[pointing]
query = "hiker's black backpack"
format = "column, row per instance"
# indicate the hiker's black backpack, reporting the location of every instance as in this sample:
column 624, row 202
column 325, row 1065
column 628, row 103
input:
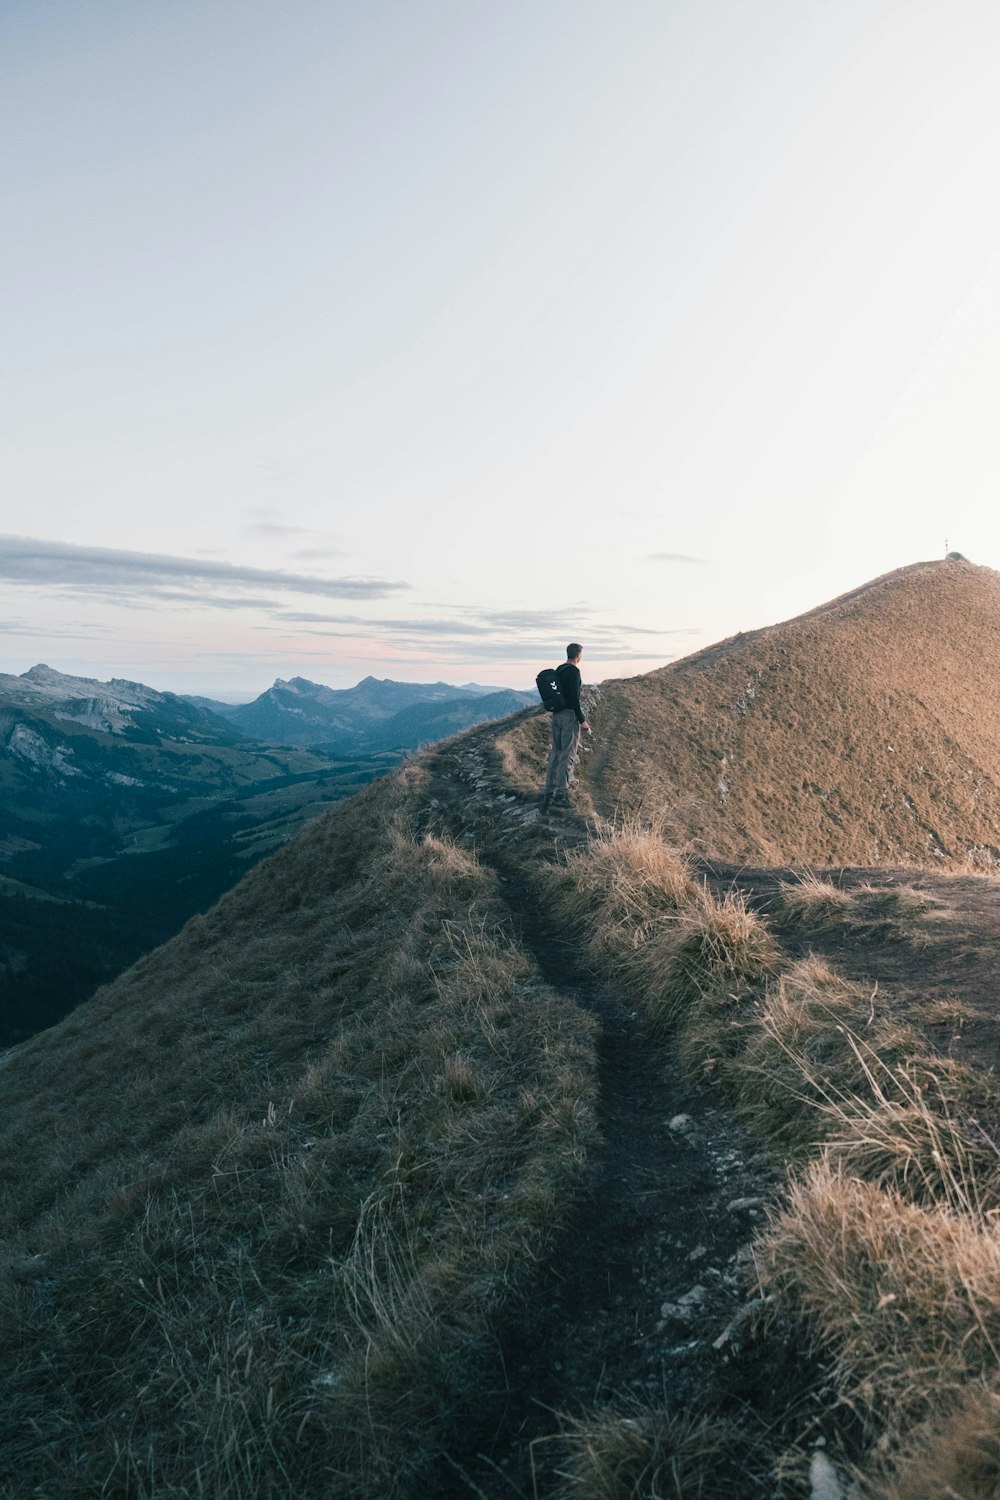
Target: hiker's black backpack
column 549, row 690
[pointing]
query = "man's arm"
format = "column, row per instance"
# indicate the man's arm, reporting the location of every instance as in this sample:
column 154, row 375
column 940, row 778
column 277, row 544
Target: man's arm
column 570, row 681
column 581, row 720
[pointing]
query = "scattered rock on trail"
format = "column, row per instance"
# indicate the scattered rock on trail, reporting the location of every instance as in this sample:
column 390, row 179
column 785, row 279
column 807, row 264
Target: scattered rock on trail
column 825, row 1482
column 742, row 1321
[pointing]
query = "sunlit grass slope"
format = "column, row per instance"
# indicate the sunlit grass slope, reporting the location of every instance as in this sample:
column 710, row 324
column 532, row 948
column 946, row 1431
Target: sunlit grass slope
column 883, row 1257
column 866, row 732
column 267, row 1195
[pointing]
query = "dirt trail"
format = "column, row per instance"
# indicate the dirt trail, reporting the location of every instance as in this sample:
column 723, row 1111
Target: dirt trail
column 656, row 1261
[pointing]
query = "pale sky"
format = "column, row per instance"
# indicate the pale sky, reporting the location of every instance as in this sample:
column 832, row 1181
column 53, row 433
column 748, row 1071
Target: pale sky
column 420, row 338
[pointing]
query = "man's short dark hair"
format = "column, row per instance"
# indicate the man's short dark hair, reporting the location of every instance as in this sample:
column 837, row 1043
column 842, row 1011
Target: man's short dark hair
column 573, row 649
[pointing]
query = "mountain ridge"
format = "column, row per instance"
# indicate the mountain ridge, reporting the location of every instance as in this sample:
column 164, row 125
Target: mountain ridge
column 374, row 714
column 122, row 811
column 864, row 731
column 354, row 1168
column 118, row 706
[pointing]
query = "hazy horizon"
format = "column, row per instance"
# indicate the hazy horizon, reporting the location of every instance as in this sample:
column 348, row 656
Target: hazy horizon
column 415, row 341
column 233, row 696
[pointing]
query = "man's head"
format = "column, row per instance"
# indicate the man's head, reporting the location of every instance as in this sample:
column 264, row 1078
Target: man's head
column 574, row 652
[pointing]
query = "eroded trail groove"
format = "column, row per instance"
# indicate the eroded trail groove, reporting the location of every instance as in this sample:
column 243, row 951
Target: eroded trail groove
column 646, row 1288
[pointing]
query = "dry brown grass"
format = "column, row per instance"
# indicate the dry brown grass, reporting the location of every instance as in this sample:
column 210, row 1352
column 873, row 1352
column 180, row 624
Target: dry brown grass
column 868, row 913
column 901, row 902
column 799, row 1055
column 647, row 924
column 945, row 1010
column 523, row 751
column 617, row 888
column 710, row 957
column 814, row 902
column 958, row 1455
column 264, row 1195
column 818, row 1063
column 904, row 1298
column 864, row 733
column 888, row 1249
column 927, row 1129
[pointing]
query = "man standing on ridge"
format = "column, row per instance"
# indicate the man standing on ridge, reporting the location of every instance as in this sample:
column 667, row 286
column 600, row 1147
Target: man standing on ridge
column 568, row 723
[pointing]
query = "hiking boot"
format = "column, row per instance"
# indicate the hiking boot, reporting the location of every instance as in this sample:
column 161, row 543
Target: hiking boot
column 562, row 802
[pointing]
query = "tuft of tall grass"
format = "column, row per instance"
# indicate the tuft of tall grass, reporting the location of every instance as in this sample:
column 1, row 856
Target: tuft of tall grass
column 887, row 1249
column 818, row 1065
column 925, row 1128
column 709, row 955
column 800, row 1054
column 870, row 913
column 958, row 1454
column 903, row 1298
column 648, row 1452
column 888, row 901
column 615, row 890
column 813, row 902
column 648, row 925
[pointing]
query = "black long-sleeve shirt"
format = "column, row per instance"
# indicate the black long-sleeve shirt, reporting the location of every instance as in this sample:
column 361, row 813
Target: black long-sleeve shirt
column 570, row 683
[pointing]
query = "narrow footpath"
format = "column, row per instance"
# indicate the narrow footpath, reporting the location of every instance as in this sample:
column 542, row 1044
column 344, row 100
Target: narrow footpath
column 645, row 1299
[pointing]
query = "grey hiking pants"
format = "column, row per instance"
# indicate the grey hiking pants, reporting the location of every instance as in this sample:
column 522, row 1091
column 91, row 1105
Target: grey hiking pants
column 564, row 753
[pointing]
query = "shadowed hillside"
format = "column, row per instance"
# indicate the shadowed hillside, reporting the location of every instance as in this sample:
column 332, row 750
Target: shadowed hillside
column 267, row 1195
column 123, row 811
column 460, row 1152
column 866, row 732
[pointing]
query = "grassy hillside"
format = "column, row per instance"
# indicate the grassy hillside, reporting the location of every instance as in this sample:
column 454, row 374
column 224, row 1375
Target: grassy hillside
column 866, row 732
column 267, row 1194
column 462, row 1152
column 877, row 1278
column 88, row 886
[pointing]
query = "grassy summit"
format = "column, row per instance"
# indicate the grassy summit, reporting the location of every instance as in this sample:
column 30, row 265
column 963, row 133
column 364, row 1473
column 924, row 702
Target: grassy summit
column 865, row 732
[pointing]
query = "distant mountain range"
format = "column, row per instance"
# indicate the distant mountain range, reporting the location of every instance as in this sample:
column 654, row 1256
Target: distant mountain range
column 377, row 714
column 119, row 707
column 123, row 810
